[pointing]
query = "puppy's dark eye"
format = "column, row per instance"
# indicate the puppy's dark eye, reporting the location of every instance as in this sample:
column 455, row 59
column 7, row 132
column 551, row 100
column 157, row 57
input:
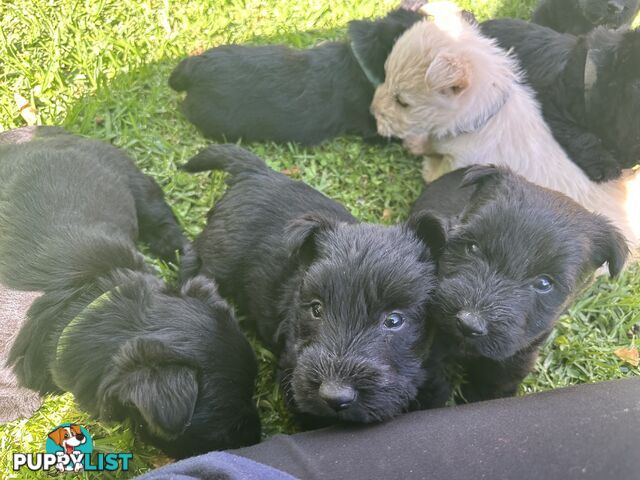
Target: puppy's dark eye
column 400, row 101
column 393, row 321
column 472, row 248
column 316, row 309
column 543, row 284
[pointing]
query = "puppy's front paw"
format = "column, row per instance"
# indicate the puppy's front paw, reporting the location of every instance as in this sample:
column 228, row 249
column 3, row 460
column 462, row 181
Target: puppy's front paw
column 415, row 145
column 603, row 168
column 166, row 242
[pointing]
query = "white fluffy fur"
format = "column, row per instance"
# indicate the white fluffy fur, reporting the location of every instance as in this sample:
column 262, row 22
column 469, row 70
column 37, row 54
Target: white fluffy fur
column 466, row 104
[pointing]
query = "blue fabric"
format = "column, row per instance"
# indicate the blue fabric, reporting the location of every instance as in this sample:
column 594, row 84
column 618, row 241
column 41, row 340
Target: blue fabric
column 217, row 466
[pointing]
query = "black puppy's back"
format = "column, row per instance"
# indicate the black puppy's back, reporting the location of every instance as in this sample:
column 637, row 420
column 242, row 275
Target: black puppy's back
column 562, row 16
column 258, row 200
column 40, row 215
column 174, row 361
column 586, row 88
column 156, row 223
column 542, row 51
column 579, row 17
column 266, row 92
column 282, row 94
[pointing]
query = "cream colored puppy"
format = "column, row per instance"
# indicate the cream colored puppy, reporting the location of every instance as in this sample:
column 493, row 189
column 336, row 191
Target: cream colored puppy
column 454, row 96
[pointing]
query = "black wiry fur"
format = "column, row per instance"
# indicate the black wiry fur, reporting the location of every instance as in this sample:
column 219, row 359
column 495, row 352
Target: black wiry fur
column 284, row 94
column 157, row 226
column 504, row 233
column 599, row 134
column 277, row 246
column 174, row 362
column 581, row 16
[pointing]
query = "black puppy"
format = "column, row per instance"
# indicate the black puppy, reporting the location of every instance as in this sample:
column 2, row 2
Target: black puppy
column 581, row 16
column 589, row 89
column 105, row 328
column 515, row 257
column 283, row 94
column 157, row 225
column 344, row 301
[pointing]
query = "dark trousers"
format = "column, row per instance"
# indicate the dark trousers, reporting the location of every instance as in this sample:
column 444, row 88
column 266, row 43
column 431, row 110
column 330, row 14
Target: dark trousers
column 584, row 432
column 589, row 432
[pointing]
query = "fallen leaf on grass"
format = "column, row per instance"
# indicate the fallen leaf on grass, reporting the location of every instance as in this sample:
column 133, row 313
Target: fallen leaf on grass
column 386, row 214
column 292, row 171
column 629, row 355
column 27, row 111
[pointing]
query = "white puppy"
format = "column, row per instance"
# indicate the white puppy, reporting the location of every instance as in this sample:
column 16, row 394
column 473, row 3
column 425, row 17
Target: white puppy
column 454, row 96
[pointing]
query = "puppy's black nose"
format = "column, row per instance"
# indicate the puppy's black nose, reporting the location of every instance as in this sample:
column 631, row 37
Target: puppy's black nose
column 471, row 324
column 338, row 396
column 80, row 436
column 615, row 7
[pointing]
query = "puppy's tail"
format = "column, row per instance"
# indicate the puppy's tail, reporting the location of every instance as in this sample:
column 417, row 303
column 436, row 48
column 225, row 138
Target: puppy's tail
column 180, row 77
column 228, row 157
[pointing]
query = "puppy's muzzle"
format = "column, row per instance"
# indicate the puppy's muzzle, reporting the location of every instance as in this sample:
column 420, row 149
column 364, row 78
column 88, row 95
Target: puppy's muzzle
column 471, row 324
column 383, row 125
column 377, row 109
column 337, row 395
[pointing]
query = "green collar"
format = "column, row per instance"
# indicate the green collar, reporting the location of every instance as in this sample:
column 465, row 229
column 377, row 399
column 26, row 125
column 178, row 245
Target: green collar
column 66, row 332
column 375, row 81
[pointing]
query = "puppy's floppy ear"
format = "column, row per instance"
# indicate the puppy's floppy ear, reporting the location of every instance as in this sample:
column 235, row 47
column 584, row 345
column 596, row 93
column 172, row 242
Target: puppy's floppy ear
column 372, row 41
column 479, row 174
column 202, row 288
column 366, row 42
column 610, row 246
column 301, row 235
column 430, row 229
column 449, row 74
column 150, row 376
column 205, row 290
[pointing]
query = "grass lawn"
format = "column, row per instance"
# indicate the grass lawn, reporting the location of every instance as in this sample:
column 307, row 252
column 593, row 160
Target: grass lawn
column 99, row 68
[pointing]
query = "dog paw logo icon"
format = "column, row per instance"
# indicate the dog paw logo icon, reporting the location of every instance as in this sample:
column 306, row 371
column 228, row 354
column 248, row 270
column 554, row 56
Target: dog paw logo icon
column 71, row 444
